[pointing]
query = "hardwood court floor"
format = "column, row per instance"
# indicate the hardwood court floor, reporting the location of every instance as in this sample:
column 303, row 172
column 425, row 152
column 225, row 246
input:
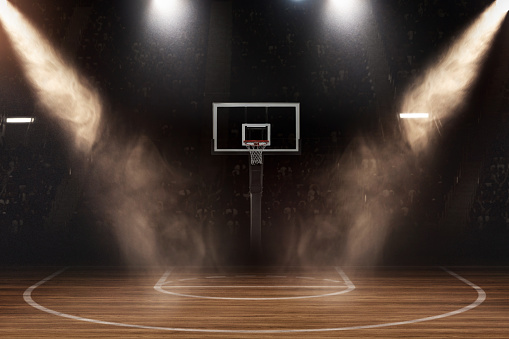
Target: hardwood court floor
column 338, row 302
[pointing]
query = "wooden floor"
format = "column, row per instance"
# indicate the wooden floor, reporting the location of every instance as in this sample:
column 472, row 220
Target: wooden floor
column 338, row 302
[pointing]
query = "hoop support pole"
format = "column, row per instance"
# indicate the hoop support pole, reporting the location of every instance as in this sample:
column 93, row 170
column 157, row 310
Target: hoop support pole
column 255, row 190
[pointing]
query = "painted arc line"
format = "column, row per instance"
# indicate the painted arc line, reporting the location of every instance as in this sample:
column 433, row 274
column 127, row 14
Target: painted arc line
column 331, row 280
column 481, row 296
column 349, row 287
column 253, row 286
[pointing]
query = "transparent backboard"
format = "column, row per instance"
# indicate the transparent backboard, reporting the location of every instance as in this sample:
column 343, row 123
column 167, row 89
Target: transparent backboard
column 279, row 123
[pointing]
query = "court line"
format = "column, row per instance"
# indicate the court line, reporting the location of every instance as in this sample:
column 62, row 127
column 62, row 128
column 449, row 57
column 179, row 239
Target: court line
column 481, row 296
column 254, row 286
column 160, row 288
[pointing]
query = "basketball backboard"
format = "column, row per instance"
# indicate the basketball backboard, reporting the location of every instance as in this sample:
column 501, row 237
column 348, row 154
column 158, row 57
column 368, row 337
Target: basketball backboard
column 278, row 123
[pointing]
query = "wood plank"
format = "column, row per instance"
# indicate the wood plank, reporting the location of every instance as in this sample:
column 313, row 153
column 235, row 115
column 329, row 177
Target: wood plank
column 381, row 296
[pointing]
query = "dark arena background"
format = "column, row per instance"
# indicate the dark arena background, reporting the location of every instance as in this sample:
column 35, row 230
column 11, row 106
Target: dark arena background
column 118, row 218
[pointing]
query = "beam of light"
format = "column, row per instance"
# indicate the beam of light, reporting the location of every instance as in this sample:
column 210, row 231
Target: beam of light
column 503, row 5
column 19, row 120
column 61, row 91
column 444, row 87
column 370, row 174
column 127, row 174
column 414, row 115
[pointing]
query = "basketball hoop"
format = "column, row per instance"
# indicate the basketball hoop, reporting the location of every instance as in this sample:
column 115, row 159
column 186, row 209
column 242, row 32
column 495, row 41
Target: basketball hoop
column 256, row 148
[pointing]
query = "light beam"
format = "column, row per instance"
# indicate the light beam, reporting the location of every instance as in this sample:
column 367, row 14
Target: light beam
column 127, row 175
column 503, row 5
column 445, row 86
column 59, row 88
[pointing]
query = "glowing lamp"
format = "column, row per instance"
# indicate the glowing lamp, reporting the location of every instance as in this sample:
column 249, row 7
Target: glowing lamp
column 414, row 115
column 19, row 120
column 165, row 6
column 343, row 4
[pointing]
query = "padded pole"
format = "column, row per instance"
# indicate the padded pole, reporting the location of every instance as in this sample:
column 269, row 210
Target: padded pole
column 255, row 190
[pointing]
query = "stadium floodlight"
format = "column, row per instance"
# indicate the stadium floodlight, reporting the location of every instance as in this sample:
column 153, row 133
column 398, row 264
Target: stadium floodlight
column 344, row 16
column 414, row 115
column 343, row 5
column 168, row 19
column 19, row 120
column 165, row 5
column 503, row 5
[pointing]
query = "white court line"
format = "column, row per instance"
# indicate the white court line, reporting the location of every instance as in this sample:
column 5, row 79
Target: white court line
column 481, row 296
column 337, row 281
column 254, row 286
column 160, row 284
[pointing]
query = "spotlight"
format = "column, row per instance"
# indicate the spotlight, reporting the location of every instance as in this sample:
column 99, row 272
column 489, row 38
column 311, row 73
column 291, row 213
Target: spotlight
column 343, row 4
column 344, row 15
column 503, row 5
column 165, row 6
column 168, row 18
column 414, row 115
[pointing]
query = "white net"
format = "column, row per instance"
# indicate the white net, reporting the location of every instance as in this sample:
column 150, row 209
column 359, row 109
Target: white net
column 256, row 151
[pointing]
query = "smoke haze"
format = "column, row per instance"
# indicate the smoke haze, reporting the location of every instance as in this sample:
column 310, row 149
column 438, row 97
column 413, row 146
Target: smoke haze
column 129, row 181
column 137, row 191
column 372, row 181
column 61, row 91
column 135, row 186
column 444, row 88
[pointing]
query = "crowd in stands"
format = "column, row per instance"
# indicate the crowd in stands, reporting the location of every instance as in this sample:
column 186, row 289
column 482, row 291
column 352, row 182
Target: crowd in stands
column 275, row 57
column 490, row 210
column 416, row 32
column 312, row 199
column 53, row 18
column 136, row 64
column 31, row 172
